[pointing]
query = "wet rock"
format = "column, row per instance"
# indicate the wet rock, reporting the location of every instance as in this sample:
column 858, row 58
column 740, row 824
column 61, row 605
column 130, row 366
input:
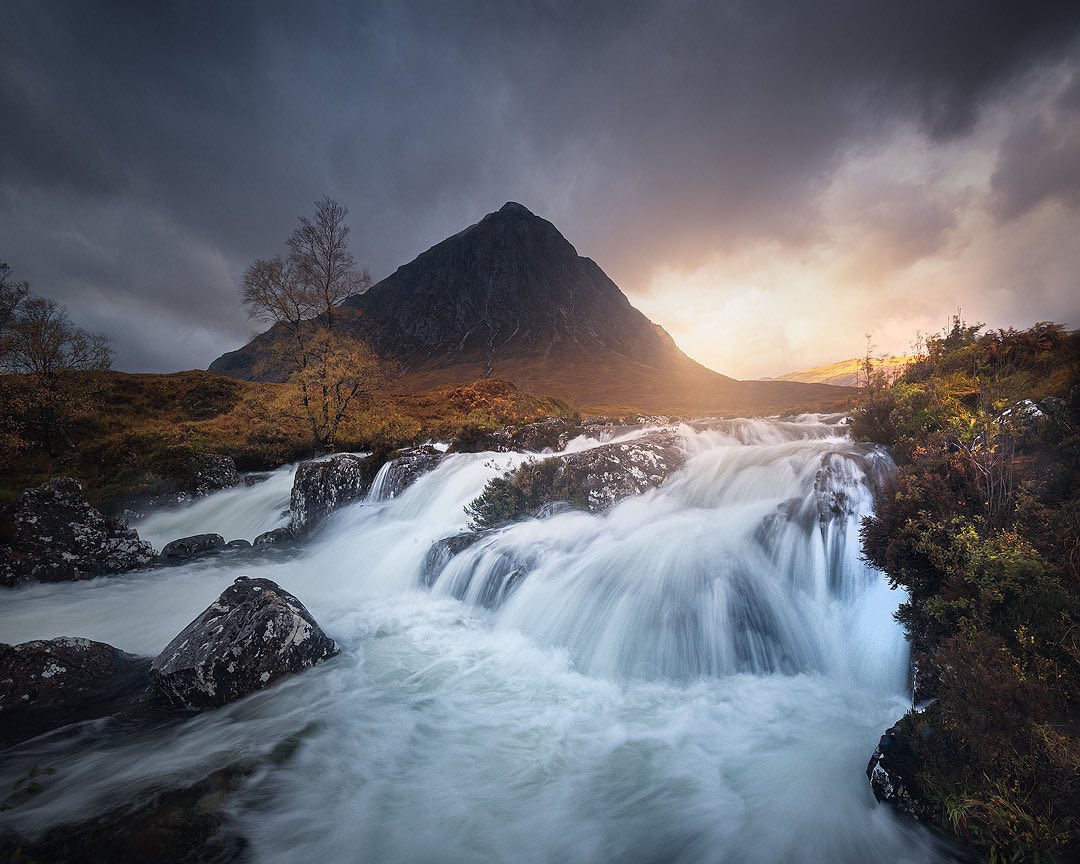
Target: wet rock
column 441, row 551
column 501, row 569
column 320, row 487
column 182, row 825
column 48, row 684
column 275, row 537
column 890, row 772
column 250, row 480
column 1022, row 413
column 592, row 480
column 51, row 534
column 1055, row 406
column 238, row 544
column 253, row 634
column 212, row 473
column 402, row 471
column 612, row 472
column 195, row 546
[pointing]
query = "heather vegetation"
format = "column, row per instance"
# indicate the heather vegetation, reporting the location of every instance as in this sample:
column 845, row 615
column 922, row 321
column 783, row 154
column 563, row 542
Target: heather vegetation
column 982, row 529
column 526, row 491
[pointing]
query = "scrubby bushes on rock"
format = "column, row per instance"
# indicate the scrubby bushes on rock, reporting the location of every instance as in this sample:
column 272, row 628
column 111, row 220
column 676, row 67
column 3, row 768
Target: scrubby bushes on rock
column 981, row 527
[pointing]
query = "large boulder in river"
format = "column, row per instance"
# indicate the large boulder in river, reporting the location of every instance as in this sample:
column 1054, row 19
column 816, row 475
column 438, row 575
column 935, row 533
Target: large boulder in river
column 46, row 684
column 591, row 479
column 253, row 634
column 51, row 534
column 320, row 487
column 612, row 472
column 195, row 546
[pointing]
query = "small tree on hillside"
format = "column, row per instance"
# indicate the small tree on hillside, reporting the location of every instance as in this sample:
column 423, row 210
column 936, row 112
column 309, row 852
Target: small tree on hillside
column 329, row 371
column 39, row 343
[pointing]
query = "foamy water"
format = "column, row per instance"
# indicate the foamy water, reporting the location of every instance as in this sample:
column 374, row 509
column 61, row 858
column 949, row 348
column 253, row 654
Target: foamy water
column 697, row 674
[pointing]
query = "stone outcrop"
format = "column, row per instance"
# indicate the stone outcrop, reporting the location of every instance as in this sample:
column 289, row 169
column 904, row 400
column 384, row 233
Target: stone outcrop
column 591, row 479
column 890, row 772
column 196, row 546
column 51, row 534
column 322, row 486
column 612, row 472
column 47, row 684
column 253, row 634
column 212, row 473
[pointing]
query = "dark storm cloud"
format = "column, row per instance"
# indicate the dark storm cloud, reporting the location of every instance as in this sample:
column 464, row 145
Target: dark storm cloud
column 150, row 150
column 1040, row 159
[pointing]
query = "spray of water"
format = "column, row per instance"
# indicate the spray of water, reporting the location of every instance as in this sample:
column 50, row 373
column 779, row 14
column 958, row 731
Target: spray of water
column 697, row 674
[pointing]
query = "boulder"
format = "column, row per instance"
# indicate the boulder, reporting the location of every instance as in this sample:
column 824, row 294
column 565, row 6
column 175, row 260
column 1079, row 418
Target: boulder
column 612, row 472
column 47, row 684
column 591, row 480
column 320, row 487
column 51, row 534
column 212, row 473
column 441, row 551
column 275, row 537
column 402, row 472
column 238, row 544
column 890, row 772
column 195, row 546
column 253, row 634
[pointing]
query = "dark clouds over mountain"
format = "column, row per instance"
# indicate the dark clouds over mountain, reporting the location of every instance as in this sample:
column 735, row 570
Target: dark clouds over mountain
column 150, row 150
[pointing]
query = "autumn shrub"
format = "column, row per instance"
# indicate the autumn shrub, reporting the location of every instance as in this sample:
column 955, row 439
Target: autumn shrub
column 981, row 527
column 525, row 492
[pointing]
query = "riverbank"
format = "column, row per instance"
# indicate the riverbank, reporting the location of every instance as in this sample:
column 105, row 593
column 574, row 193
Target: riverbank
column 982, row 528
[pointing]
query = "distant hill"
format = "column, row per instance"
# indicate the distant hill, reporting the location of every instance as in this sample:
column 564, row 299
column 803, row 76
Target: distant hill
column 510, row 298
column 844, row 373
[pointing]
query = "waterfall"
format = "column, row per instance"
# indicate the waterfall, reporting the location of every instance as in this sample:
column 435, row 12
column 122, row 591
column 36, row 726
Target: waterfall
column 696, row 674
column 240, row 513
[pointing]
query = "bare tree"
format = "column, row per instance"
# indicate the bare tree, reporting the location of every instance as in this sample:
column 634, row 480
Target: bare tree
column 39, row 343
column 328, row 370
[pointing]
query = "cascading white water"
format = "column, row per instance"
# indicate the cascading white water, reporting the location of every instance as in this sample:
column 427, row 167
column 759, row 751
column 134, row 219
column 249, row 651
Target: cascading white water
column 697, row 674
column 240, row 513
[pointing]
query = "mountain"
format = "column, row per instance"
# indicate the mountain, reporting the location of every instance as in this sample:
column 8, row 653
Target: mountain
column 510, row 298
column 845, row 373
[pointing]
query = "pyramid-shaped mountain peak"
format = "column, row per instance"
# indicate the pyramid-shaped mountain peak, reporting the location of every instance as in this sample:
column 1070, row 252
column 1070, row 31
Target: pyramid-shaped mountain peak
column 509, row 297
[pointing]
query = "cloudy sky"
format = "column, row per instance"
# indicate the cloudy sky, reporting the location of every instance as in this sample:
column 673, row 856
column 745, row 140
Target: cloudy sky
column 768, row 180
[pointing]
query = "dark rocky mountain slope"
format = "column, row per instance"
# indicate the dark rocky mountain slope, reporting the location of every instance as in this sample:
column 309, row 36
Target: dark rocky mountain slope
column 510, row 298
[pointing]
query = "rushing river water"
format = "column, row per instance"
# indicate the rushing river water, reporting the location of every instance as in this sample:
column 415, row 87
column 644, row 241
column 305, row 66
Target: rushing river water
column 696, row 674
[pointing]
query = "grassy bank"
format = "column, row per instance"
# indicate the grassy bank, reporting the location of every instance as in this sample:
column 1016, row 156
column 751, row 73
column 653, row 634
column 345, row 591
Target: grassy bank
column 982, row 529
column 139, row 435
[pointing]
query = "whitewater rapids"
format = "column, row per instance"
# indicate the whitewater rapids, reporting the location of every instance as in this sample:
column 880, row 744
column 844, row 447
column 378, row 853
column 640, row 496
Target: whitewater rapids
column 698, row 674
